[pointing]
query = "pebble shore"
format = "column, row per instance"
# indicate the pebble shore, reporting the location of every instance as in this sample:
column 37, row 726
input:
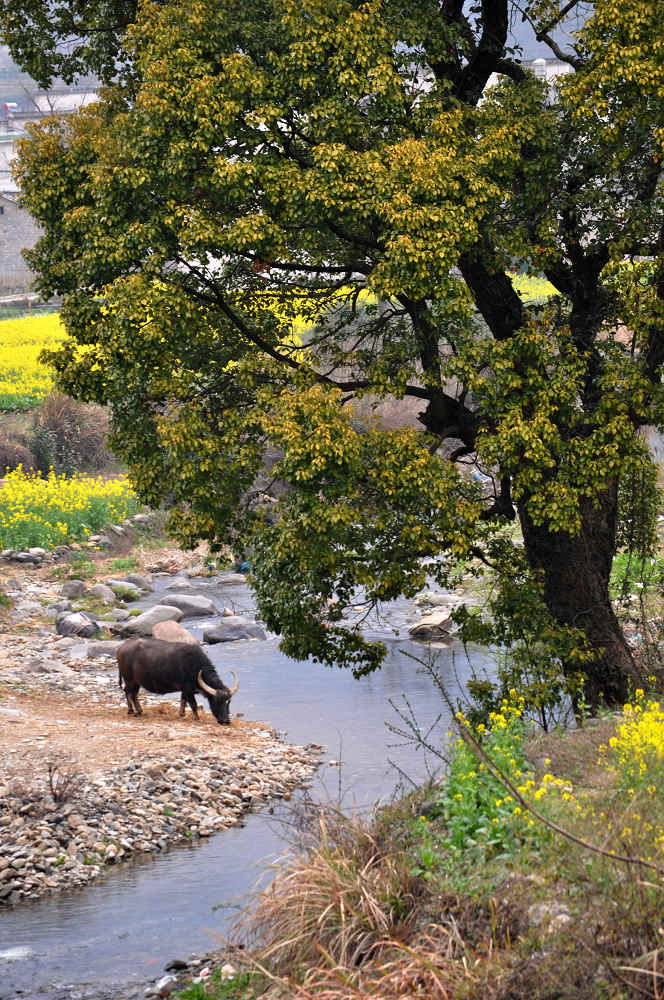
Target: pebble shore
column 139, row 809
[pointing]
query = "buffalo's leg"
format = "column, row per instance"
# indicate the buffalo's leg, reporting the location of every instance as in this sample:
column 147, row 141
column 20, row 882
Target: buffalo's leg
column 134, row 697
column 191, row 699
column 130, row 703
column 183, row 702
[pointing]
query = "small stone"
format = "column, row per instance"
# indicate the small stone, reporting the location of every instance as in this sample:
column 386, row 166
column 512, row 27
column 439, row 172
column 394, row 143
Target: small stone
column 73, row 588
column 176, row 965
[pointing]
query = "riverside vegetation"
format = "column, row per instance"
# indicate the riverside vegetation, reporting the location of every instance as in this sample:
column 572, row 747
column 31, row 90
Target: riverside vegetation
column 534, row 870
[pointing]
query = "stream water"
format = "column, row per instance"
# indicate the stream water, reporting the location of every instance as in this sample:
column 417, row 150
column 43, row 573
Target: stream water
column 124, row 928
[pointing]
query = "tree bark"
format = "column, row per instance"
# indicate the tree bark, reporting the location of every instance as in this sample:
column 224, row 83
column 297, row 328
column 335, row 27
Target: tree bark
column 575, row 571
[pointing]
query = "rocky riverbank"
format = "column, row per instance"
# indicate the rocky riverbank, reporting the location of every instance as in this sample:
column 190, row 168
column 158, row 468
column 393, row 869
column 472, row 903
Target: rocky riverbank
column 85, row 788
column 139, row 808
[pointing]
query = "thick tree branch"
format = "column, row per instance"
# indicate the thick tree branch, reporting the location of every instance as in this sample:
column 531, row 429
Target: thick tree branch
column 493, row 292
column 490, row 50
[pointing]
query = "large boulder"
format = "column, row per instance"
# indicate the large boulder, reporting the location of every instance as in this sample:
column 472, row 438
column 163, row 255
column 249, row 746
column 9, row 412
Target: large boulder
column 191, row 605
column 76, row 623
column 73, row 588
column 103, row 593
column 142, row 580
column 233, row 628
column 143, row 624
column 172, row 632
column 125, row 590
column 437, row 625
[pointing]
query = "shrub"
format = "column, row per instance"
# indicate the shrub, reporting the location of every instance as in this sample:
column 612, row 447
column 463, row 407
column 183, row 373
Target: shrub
column 13, row 454
column 68, row 436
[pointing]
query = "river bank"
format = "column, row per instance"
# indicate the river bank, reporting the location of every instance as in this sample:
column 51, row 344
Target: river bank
column 84, row 787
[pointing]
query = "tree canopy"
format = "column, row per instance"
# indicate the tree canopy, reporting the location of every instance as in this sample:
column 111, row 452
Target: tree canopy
column 288, row 218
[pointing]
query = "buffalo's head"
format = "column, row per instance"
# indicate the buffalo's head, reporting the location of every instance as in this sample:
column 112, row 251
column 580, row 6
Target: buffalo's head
column 218, row 698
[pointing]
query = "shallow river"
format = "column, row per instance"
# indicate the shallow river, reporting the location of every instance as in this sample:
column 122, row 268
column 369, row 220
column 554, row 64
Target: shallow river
column 125, row 928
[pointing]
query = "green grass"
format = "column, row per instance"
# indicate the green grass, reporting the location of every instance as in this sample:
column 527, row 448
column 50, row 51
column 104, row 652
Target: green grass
column 216, row 988
column 124, row 564
column 631, row 574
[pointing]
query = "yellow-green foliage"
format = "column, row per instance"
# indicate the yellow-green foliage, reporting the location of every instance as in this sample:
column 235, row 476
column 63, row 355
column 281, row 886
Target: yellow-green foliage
column 57, row 510
column 24, row 381
column 483, row 816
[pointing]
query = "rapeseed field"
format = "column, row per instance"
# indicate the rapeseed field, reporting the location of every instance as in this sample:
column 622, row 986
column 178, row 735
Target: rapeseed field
column 57, row 510
column 24, row 381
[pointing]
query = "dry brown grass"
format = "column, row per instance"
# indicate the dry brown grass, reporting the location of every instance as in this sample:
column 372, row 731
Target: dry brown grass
column 348, row 921
column 345, row 898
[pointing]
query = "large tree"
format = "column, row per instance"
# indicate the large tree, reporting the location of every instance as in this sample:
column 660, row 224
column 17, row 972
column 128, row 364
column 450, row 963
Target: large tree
column 341, row 168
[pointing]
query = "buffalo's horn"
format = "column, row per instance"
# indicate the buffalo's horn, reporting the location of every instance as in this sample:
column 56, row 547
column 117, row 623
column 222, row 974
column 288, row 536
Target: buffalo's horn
column 237, row 683
column 203, row 686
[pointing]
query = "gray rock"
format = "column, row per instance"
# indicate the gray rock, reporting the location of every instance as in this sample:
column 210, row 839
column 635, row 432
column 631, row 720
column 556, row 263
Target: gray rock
column 228, row 578
column 179, row 583
column 142, row 580
column 124, row 589
column 103, row 647
column 191, row 605
column 103, row 592
column 142, row 624
column 233, row 628
column 117, row 615
column 74, row 588
column 76, row 623
column 432, row 626
column 38, row 552
column 63, row 605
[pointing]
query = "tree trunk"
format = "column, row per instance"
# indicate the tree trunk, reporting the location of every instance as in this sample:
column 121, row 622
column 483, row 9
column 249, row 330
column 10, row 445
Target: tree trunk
column 575, row 571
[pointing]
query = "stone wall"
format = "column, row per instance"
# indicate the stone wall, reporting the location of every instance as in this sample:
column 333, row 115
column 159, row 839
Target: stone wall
column 17, row 231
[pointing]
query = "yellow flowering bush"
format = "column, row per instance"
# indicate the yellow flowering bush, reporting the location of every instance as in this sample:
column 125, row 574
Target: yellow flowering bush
column 24, row 381
column 479, row 813
column 56, row 510
column 638, row 746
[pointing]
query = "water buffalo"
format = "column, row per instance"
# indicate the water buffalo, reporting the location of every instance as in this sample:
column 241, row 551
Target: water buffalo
column 162, row 667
